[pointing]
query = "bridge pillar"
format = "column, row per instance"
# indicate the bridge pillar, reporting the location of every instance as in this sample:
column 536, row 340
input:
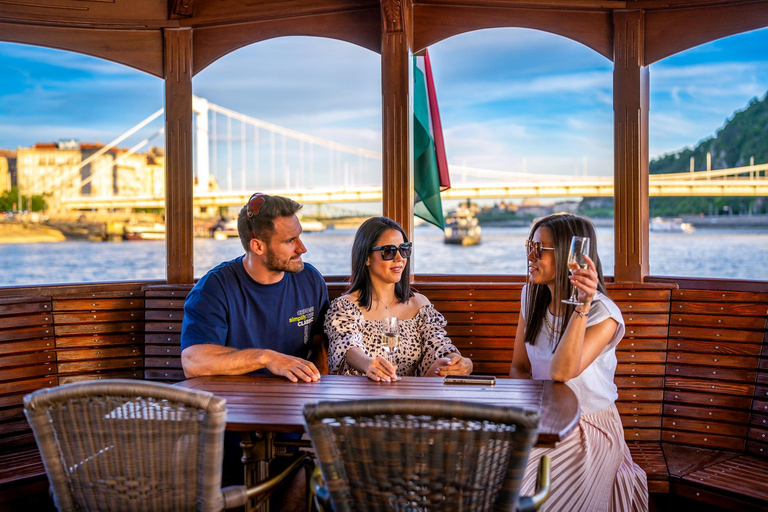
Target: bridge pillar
column 202, row 160
column 630, row 109
column 396, row 87
column 179, row 177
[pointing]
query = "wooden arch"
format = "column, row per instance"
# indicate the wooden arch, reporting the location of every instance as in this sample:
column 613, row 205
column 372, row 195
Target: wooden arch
column 432, row 24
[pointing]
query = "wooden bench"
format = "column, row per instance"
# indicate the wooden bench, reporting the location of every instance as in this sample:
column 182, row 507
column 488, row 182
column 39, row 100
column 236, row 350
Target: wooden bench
column 660, row 429
column 163, row 314
column 52, row 336
column 715, row 404
column 27, row 363
column 692, row 372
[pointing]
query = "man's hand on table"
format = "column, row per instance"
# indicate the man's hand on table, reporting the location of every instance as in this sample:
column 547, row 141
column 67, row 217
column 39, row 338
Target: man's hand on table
column 292, row 368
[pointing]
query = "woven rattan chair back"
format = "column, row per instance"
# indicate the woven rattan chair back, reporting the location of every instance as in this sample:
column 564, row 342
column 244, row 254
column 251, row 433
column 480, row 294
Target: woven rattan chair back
column 130, row 445
column 425, row 455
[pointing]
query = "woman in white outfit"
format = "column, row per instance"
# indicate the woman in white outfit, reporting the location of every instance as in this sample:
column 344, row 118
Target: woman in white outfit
column 592, row 469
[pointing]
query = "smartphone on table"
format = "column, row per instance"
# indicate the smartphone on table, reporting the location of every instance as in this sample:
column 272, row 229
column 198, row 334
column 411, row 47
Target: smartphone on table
column 484, row 380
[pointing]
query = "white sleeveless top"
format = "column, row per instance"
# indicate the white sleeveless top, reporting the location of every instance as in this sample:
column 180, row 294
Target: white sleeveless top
column 594, row 388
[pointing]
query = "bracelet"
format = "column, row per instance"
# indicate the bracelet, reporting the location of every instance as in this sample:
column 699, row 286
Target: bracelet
column 582, row 314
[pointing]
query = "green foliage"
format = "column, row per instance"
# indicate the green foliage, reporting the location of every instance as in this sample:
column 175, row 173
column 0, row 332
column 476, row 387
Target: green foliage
column 596, row 213
column 10, row 198
column 743, row 136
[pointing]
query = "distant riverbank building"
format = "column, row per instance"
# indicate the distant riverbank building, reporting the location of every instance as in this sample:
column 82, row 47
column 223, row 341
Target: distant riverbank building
column 7, row 169
column 74, row 169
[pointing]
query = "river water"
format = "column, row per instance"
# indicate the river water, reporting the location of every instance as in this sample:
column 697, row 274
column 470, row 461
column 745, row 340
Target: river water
column 716, row 253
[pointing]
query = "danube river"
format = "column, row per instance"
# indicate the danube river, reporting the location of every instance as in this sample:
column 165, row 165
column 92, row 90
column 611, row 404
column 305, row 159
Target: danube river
column 716, row 253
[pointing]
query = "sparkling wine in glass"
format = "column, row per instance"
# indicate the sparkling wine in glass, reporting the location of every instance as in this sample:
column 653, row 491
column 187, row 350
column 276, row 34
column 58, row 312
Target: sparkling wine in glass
column 576, row 260
column 390, row 338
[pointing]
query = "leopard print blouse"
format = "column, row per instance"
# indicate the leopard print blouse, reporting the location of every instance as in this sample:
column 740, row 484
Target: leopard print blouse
column 422, row 338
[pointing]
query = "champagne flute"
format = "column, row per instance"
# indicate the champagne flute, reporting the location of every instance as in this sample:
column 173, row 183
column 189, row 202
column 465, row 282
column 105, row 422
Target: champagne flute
column 576, row 260
column 390, row 338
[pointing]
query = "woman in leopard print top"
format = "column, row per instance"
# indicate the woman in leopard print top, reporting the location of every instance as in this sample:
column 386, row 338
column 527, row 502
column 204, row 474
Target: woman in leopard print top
column 379, row 287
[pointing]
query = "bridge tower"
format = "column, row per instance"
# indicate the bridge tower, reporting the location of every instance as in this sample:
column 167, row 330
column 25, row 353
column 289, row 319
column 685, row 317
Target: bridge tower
column 200, row 108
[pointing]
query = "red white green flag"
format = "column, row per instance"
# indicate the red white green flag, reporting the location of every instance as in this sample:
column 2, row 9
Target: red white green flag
column 430, row 172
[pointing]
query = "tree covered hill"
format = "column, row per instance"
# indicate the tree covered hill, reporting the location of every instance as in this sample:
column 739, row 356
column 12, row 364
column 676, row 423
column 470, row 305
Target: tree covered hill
column 743, row 136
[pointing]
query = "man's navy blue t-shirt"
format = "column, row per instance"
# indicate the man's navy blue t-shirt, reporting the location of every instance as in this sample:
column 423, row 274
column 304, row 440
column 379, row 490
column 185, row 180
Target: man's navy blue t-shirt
column 227, row 307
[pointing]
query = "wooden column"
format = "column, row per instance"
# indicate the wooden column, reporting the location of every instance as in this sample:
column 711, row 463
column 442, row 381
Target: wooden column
column 178, row 155
column 630, row 109
column 396, row 87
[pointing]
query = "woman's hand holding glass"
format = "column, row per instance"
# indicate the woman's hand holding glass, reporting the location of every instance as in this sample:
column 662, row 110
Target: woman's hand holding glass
column 380, row 369
column 584, row 281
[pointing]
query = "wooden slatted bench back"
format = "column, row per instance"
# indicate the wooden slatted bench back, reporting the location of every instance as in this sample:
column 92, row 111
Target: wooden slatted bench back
column 714, row 401
column 482, row 321
column 163, row 315
column 715, row 342
column 642, row 356
column 70, row 335
column 27, row 363
column 757, row 441
column 99, row 335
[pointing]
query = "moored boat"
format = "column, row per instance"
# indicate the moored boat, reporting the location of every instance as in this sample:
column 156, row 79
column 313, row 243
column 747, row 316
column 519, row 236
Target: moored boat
column 224, row 229
column 675, row 225
column 141, row 232
column 461, row 228
column 311, row 226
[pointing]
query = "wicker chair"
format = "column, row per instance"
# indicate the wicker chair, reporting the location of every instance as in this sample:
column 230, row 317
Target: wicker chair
column 135, row 445
column 426, row 455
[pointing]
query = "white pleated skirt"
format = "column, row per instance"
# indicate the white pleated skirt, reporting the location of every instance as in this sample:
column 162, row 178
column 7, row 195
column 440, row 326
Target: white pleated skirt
column 592, row 469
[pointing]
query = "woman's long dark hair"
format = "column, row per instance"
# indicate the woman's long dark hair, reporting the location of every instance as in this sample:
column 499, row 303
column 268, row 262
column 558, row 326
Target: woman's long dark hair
column 365, row 238
column 562, row 227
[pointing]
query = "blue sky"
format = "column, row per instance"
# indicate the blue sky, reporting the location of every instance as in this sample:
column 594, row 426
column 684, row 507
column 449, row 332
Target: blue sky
column 510, row 99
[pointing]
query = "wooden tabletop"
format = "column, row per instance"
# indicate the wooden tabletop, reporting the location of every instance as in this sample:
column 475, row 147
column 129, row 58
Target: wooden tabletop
column 269, row 403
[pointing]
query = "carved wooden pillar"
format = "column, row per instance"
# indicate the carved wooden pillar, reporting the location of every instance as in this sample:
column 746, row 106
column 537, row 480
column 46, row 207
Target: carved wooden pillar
column 178, row 155
column 397, row 147
column 630, row 108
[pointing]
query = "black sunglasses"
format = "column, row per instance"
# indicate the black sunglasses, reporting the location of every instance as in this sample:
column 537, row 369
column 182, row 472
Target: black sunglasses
column 388, row 251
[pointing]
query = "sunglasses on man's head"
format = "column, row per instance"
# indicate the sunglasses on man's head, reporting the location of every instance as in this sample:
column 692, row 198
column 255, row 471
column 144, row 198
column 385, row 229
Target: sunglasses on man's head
column 536, row 248
column 388, row 251
column 255, row 203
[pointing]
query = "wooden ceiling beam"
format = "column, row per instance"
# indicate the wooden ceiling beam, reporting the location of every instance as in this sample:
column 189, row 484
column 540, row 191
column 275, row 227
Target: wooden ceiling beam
column 558, row 5
column 139, row 49
column 361, row 27
column 433, row 24
column 672, row 31
column 184, row 8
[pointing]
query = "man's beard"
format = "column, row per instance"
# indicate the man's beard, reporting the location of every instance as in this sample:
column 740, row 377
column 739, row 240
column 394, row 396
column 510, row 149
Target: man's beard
column 275, row 264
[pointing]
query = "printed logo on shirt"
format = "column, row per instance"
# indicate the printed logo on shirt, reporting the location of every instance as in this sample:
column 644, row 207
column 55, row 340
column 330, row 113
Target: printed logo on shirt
column 304, row 318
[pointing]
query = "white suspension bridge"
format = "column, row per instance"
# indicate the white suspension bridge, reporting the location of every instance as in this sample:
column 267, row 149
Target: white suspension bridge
column 236, row 154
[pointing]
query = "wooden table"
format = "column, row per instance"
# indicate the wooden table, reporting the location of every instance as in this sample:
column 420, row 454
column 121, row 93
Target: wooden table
column 274, row 404
column 269, row 404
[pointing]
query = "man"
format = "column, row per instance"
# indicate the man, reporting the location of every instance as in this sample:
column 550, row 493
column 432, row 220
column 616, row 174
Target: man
column 261, row 311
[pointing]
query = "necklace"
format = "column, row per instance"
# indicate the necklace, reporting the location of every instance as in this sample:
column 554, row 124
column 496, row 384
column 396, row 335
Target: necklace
column 386, row 306
column 549, row 323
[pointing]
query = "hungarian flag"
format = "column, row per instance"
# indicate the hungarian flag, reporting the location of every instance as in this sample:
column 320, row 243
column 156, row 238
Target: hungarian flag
column 430, row 172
